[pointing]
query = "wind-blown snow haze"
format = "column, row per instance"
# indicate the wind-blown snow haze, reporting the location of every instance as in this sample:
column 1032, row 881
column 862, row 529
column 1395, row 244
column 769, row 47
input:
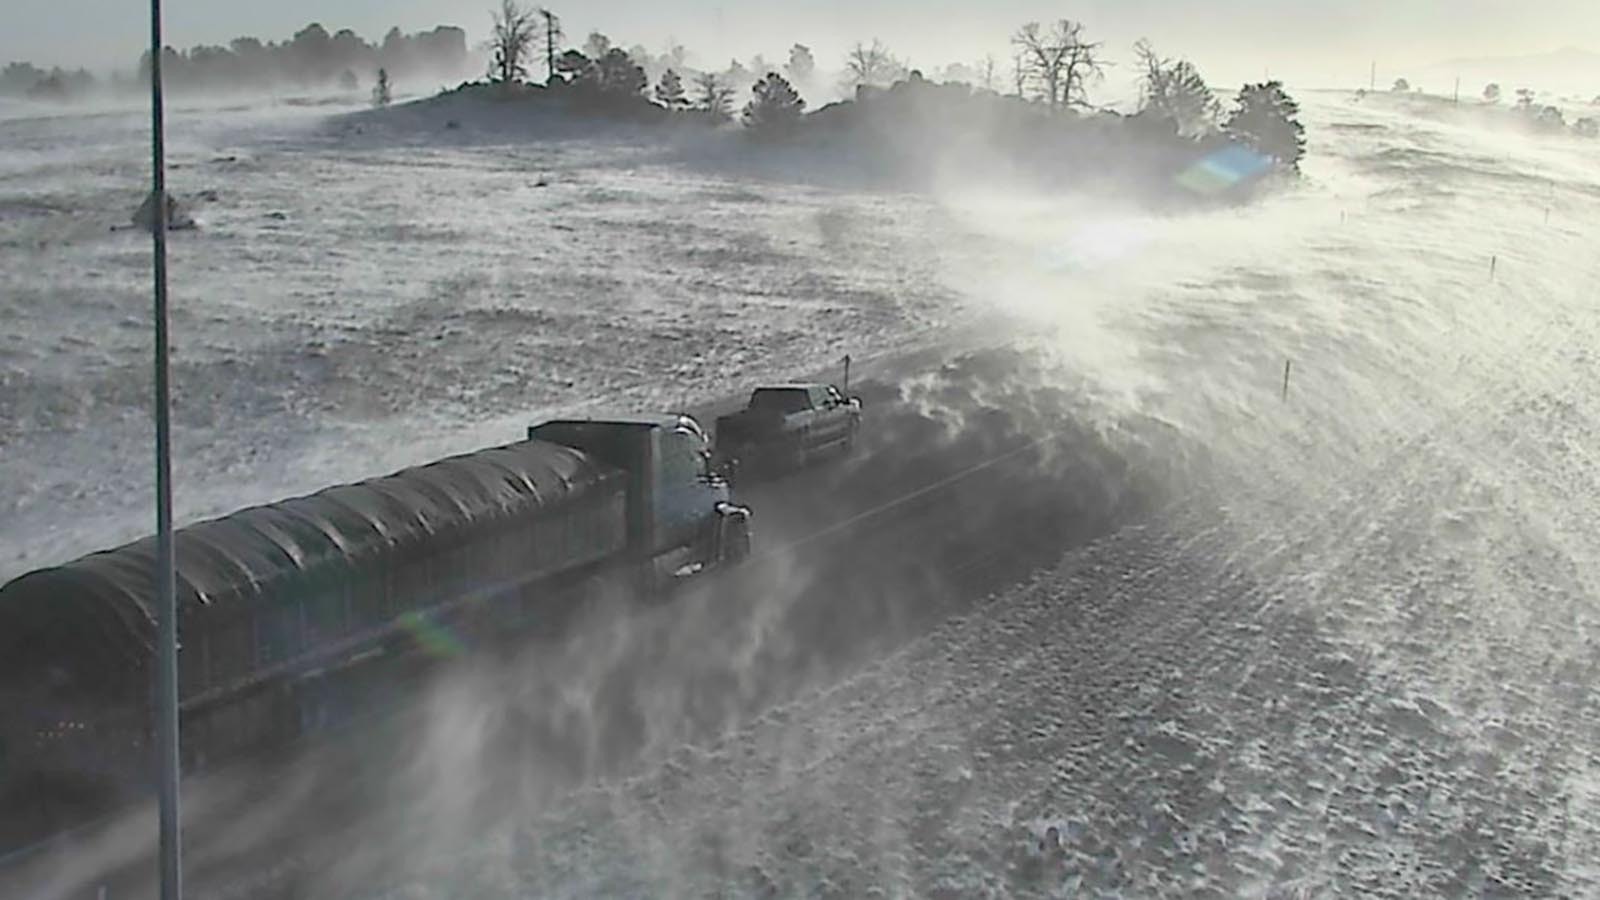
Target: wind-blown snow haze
column 1248, row 545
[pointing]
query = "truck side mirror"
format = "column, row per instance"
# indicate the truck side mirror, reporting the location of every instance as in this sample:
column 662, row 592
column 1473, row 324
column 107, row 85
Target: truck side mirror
column 713, row 471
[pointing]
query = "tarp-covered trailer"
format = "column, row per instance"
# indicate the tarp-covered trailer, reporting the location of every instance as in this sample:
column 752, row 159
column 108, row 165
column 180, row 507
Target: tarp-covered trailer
column 282, row 607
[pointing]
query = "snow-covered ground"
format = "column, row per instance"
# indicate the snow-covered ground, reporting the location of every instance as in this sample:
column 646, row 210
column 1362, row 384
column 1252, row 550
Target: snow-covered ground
column 1355, row 654
column 345, row 309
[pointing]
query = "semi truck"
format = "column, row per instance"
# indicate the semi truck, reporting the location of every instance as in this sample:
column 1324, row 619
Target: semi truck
column 297, row 615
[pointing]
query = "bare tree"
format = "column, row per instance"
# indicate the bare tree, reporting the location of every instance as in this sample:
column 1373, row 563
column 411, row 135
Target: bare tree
column 1040, row 58
column 596, row 46
column 552, row 42
column 985, row 70
column 1060, row 61
column 713, row 96
column 1172, row 89
column 872, row 65
column 1019, row 73
column 1084, row 66
column 512, row 37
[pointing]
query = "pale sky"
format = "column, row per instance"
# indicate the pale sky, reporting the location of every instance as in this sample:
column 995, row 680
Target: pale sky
column 1322, row 41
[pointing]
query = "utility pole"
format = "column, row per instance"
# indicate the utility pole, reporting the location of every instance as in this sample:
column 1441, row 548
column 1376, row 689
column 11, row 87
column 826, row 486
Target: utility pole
column 166, row 579
column 1458, row 90
column 552, row 34
column 1372, row 80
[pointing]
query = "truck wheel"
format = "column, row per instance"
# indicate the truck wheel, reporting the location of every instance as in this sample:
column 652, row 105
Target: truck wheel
column 739, row 541
column 735, row 537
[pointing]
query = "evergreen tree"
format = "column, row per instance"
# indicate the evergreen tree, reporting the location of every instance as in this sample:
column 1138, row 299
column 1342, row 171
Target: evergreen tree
column 619, row 75
column 573, row 67
column 776, row 107
column 669, row 91
column 1491, row 93
column 1266, row 120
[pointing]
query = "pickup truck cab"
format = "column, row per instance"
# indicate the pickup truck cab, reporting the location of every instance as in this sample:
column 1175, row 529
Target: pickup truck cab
column 786, row 426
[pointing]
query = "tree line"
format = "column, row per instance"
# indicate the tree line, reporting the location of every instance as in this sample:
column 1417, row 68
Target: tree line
column 1054, row 67
column 312, row 58
column 1536, row 116
column 21, row 79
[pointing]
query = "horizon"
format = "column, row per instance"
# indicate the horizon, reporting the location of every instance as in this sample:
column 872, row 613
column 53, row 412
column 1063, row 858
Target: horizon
column 1344, row 44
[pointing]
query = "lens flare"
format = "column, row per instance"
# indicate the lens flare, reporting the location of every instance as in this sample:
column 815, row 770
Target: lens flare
column 1097, row 245
column 435, row 638
column 1225, row 169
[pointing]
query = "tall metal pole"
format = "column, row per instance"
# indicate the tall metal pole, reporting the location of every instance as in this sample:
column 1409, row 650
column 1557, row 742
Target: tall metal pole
column 166, row 579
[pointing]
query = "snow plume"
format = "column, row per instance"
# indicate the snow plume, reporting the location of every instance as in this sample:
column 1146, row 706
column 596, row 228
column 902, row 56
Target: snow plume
column 1352, row 658
column 235, row 809
column 967, row 477
column 1334, row 643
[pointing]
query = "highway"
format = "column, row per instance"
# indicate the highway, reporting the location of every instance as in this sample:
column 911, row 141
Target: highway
column 971, row 473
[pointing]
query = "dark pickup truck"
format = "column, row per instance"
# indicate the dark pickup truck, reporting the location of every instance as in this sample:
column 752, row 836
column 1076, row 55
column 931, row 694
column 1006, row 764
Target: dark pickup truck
column 787, row 425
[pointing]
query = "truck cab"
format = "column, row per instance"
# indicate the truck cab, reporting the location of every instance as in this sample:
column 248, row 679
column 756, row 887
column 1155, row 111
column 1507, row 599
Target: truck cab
column 681, row 518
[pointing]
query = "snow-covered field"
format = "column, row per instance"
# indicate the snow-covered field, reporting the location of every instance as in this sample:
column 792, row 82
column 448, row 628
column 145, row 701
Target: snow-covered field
column 345, row 309
column 1355, row 654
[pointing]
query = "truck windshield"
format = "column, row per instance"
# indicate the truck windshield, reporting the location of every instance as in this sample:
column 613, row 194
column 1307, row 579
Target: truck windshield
column 780, row 400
